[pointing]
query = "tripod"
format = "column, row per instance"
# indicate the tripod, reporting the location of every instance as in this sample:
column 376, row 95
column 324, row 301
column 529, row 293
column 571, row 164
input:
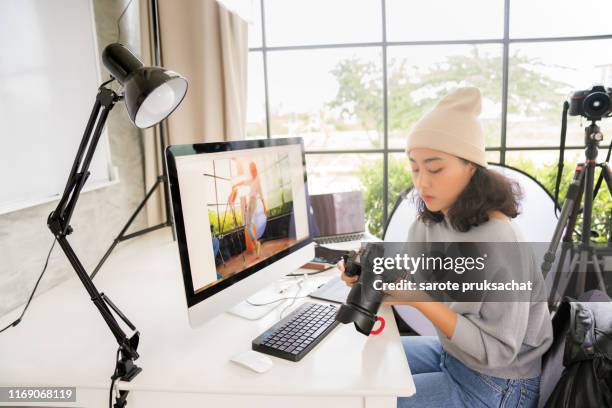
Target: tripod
column 162, row 180
column 584, row 253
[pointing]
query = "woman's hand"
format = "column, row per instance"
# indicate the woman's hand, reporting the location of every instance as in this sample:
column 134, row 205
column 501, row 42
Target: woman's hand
column 349, row 280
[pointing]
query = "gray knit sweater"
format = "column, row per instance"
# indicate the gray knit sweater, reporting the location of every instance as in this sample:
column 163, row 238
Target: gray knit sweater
column 501, row 339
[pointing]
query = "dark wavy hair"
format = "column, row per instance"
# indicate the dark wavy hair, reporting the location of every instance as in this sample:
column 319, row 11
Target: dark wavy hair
column 486, row 191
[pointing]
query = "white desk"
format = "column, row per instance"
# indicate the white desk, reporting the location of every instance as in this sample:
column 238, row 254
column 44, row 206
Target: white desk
column 63, row 341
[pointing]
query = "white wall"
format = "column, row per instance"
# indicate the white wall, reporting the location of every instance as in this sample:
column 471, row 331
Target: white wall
column 24, row 237
column 40, row 87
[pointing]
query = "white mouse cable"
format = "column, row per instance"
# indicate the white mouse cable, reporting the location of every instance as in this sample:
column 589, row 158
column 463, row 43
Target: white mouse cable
column 294, row 297
column 280, row 300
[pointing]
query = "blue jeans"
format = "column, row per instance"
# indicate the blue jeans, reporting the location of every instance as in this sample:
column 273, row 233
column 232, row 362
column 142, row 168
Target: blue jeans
column 443, row 381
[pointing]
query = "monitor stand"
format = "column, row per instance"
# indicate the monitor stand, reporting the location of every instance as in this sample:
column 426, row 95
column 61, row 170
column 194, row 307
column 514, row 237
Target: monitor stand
column 250, row 312
column 271, row 293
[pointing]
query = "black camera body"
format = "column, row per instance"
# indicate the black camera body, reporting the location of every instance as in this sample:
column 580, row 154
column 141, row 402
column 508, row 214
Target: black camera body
column 593, row 104
column 352, row 263
column 363, row 300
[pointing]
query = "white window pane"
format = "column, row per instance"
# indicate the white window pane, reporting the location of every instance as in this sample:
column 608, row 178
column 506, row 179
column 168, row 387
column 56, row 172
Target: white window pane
column 444, row 20
column 493, row 157
column 255, row 24
column 298, row 22
column 330, row 97
column 541, row 77
column 530, row 160
column 419, row 76
column 559, row 18
column 256, row 98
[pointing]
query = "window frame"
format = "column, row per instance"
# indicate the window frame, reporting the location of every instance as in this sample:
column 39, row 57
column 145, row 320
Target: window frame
column 505, row 42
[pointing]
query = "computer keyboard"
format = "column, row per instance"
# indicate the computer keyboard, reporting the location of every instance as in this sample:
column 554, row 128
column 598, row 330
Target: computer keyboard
column 340, row 238
column 298, row 333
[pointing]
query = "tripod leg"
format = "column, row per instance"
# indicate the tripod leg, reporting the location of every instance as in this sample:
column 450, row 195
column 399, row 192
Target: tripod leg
column 567, row 221
column 574, row 262
column 605, row 174
column 582, row 269
column 568, row 212
column 557, row 277
column 571, row 271
column 122, row 236
column 597, row 267
column 605, row 171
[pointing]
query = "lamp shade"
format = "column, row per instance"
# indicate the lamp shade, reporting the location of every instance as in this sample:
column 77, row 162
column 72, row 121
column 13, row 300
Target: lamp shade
column 150, row 93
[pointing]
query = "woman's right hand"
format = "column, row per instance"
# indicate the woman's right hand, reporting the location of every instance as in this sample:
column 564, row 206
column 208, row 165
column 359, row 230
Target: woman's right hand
column 349, row 280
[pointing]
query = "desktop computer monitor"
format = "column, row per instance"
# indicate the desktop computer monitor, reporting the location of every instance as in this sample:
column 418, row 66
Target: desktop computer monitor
column 241, row 212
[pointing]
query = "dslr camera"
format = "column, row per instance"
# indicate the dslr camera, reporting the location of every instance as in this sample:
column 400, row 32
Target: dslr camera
column 593, row 104
column 363, row 301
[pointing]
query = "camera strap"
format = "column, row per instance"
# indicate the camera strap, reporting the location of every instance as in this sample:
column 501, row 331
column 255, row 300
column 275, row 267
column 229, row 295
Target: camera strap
column 561, row 154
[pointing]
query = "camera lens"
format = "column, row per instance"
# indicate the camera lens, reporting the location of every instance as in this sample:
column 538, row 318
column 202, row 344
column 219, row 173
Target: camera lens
column 596, row 104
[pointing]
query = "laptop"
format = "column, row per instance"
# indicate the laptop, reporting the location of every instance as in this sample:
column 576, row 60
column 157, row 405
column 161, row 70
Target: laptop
column 339, row 217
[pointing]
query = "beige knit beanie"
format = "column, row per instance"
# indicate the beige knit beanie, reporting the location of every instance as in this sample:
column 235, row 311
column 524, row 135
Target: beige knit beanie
column 452, row 127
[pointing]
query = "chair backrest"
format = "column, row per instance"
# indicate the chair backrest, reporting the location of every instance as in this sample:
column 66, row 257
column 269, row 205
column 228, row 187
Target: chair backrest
column 536, row 221
column 400, row 218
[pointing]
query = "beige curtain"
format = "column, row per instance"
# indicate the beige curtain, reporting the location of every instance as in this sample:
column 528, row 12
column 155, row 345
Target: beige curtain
column 207, row 44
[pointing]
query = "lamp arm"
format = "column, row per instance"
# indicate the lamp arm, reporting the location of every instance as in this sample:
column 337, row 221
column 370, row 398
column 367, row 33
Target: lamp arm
column 84, row 141
column 105, row 100
column 59, row 224
column 128, row 345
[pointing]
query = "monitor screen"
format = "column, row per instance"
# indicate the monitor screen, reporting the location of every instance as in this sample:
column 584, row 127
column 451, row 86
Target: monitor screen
column 338, row 213
column 238, row 206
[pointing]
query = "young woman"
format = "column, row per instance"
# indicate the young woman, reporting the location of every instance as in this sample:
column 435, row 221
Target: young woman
column 486, row 354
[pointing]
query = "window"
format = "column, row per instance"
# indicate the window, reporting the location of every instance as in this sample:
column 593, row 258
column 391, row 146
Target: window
column 559, row 18
column 419, row 75
column 352, row 76
column 299, row 22
column 331, row 98
column 424, row 21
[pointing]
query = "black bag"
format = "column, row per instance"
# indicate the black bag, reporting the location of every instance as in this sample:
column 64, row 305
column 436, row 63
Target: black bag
column 587, row 378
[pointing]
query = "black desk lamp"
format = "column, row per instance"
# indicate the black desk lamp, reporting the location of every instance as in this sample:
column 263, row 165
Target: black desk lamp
column 150, row 95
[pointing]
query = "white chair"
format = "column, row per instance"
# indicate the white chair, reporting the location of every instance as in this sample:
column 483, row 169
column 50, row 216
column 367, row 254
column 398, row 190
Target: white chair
column 537, row 222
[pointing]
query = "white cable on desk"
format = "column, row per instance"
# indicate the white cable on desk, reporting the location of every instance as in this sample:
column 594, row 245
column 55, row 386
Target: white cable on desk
column 299, row 282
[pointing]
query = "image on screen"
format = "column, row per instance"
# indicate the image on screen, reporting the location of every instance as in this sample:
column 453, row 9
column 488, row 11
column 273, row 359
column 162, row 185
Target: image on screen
column 239, row 208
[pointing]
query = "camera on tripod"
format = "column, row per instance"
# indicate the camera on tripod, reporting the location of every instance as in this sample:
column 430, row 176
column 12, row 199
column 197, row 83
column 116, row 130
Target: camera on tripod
column 593, row 104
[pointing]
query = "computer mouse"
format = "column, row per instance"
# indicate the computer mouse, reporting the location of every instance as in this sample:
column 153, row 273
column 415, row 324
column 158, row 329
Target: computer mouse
column 255, row 361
